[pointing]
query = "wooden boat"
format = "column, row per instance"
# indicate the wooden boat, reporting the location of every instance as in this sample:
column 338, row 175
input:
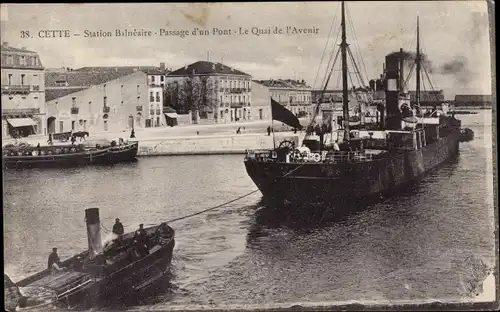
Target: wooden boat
column 28, row 156
column 101, row 274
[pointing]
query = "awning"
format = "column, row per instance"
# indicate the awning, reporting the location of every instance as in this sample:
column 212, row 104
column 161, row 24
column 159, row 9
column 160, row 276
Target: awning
column 172, row 115
column 21, row 122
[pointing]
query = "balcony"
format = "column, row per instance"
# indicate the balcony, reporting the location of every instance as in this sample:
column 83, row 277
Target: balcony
column 158, row 99
column 158, row 112
column 105, row 109
column 15, row 89
column 138, row 108
column 74, row 110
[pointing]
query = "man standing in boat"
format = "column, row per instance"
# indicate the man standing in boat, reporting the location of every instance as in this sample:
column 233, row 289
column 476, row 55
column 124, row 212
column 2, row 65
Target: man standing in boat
column 141, row 238
column 118, row 229
column 54, row 261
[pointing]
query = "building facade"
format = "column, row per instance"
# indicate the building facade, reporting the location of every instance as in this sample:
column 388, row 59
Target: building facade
column 23, row 92
column 295, row 95
column 261, row 102
column 95, row 102
column 211, row 91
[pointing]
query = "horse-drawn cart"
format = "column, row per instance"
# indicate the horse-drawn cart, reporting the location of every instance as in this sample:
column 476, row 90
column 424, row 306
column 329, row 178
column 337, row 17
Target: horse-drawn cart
column 62, row 136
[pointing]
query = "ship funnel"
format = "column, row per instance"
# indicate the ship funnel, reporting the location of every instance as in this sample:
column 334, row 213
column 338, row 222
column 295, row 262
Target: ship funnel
column 93, row 231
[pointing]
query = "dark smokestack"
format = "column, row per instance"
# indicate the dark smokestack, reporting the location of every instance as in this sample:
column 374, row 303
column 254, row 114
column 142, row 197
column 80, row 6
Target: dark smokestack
column 93, row 231
column 392, row 82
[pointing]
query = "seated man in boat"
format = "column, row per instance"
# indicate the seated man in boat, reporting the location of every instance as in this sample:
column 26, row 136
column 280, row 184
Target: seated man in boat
column 141, row 238
column 54, row 263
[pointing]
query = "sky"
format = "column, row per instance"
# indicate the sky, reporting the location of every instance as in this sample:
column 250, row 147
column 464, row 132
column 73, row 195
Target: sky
column 454, row 36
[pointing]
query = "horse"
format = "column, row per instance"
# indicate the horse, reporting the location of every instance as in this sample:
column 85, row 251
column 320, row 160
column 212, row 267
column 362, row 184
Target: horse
column 81, row 135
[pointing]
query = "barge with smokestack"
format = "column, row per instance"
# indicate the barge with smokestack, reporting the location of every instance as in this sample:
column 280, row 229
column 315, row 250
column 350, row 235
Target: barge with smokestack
column 358, row 161
column 101, row 274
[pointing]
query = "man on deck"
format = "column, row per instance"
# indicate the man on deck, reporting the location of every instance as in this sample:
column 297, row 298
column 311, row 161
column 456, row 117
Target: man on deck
column 54, row 261
column 141, row 238
column 118, row 229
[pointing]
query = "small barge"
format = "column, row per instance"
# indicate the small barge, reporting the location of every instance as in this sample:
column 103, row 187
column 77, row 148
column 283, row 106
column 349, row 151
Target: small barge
column 27, row 156
column 100, row 274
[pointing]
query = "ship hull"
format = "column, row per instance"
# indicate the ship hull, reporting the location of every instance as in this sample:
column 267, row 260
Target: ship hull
column 325, row 182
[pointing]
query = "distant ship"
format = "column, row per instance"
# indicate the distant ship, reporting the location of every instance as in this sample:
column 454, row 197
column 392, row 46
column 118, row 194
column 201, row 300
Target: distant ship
column 360, row 159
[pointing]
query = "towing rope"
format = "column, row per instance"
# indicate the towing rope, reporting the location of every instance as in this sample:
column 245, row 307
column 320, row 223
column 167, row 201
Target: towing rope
column 229, row 202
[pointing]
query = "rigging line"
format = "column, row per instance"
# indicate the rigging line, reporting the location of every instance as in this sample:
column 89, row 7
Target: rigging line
column 229, row 202
column 330, row 61
column 360, row 78
column 318, row 105
column 409, row 76
column 360, row 56
column 324, row 50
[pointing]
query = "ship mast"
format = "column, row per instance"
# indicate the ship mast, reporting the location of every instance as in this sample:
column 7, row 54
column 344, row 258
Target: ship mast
column 345, row 91
column 417, row 59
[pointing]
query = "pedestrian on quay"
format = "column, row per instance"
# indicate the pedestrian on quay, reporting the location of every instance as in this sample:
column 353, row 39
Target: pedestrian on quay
column 50, row 139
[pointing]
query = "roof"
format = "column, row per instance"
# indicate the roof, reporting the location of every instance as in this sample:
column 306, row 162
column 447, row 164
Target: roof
column 84, row 78
column 150, row 70
column 207, row 68
column 284, row 83
column 5, row 48
column 52, row 94
column 473, row 98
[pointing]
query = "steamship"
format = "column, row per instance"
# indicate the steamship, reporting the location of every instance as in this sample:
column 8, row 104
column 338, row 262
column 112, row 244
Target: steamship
column 101, row 274
column 339, row 162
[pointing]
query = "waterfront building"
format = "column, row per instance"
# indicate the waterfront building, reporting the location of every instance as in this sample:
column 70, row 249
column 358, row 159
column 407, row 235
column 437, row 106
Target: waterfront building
column 295, row 95
column 473, row 100
column 210, row 91
column 261, row 101
column 23, row 95
column 103, row 99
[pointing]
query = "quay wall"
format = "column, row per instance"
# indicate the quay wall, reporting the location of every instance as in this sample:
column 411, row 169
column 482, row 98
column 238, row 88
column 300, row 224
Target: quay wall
column 210, row 145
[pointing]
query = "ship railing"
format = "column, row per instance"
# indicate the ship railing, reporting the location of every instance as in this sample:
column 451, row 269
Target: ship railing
column 348, row 156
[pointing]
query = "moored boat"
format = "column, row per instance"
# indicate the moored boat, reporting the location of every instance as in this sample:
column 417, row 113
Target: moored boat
column 100, row 274
column 342, row 164
column 29, row 156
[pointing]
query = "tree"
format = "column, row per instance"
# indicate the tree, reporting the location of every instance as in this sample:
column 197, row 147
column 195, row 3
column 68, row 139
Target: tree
column 196, row 94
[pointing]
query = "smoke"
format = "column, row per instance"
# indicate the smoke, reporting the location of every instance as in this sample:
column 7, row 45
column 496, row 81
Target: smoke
column 108, row 239
column 458, row 67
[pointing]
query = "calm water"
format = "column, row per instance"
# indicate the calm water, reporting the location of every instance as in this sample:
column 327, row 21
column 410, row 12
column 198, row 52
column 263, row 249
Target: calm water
column 407, row 247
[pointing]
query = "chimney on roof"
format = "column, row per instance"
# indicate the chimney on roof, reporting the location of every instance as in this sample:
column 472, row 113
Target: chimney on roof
column 162, row 66
column 193, row 71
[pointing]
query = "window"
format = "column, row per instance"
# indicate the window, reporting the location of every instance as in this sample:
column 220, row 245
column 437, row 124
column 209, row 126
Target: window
column 157, row 96
column 35, row 61
column 121, row 103
column 10, row 79
column 23, row 61
column 122, row 88
column 105, row 100
column 138, row 89
column 73, row 101
column 36, row 97
column 10, row 59
column 104, row 87
column 22, row 79
column 73, row 125
column 153, row 79
column 162, row 78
